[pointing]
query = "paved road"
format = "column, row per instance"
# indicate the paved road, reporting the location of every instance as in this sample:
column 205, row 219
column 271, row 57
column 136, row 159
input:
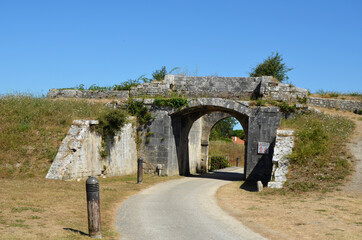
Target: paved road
column 181, row 209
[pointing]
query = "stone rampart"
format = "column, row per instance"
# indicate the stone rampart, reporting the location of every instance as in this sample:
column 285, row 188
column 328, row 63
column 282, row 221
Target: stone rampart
column 220, row 87
column 73, row 93
column 348, row 105
column 191, row 87
column 79, row 157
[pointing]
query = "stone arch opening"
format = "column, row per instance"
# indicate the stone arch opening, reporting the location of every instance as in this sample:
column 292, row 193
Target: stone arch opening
column 259, row 124
column 198, row 119
column 199, row 140
column 227, row 140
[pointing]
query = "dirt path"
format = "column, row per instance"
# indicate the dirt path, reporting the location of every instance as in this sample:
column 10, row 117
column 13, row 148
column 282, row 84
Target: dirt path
column 355, row 147
column 333, row 215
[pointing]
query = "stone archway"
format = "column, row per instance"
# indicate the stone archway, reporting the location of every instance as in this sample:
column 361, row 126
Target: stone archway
column 167, row 146
column 192, row 117
column 199, row 140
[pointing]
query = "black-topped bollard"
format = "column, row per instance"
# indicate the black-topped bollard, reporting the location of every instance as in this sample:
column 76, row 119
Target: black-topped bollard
column 140, row 171
column 237, row 162
column 93, row 206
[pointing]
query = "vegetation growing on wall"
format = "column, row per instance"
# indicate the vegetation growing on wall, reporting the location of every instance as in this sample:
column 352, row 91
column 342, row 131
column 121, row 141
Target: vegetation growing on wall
column 139, row 110
column 175, row 102
column 110, row 122
column 319, row 159
column 157, row 75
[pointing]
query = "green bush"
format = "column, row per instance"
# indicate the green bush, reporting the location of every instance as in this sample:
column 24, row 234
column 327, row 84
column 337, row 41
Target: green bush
column 286, row 108
column 218, row 162
column 138, row 109
column 175, row 102
column 109, row 123
column 272, row 66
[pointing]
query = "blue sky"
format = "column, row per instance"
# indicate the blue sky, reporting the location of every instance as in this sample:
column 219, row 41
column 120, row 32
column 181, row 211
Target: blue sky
column 56, row 44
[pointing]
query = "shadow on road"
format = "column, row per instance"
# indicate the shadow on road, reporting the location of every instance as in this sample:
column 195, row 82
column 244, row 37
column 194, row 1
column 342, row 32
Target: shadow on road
column 222, row 174
column 76, row 231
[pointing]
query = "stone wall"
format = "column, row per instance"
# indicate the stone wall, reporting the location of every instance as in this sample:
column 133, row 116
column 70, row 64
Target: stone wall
column 283, row 147
column 281, row 91
column 347, row 105
column 72, row 93
column 220, row 87
column 191, row 87
column 79, row 157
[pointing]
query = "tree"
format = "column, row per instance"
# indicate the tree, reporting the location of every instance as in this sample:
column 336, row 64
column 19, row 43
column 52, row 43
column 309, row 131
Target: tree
column 272, row 66
column 223, row 129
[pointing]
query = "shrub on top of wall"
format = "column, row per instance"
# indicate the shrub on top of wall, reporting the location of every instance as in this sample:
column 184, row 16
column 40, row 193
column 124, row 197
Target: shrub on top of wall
column 175, row 102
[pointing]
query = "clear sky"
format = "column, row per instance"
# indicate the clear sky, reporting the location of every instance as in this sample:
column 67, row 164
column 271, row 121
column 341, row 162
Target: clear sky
column 55, row 44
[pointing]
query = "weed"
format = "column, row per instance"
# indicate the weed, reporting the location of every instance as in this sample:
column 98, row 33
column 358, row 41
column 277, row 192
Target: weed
column 321, row 210
column 138, row 109
column 19, row 225
column 260, row 102
column 109, row 123
column 286, row 108
column 253, row 208
column 21, row 209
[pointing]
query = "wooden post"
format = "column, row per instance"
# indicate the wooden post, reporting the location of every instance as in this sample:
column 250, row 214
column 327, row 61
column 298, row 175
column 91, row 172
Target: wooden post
column 140, row 171
column 93, row 206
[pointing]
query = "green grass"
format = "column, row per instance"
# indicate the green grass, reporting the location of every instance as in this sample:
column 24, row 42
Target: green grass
column 31, row 131
column 319, row 159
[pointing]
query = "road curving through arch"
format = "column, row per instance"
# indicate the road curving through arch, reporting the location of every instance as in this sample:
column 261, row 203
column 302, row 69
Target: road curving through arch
column 182, row 209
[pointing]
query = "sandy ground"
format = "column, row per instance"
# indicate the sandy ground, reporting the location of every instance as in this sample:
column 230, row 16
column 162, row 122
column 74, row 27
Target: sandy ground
column 334, row 215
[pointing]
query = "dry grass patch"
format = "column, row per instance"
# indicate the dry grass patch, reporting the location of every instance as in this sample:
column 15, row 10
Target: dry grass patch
column 336, row 215
column 44, row 209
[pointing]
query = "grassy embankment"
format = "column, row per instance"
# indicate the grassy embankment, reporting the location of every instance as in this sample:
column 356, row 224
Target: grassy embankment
column 31, row 130
column 228, row 149
column 320, row 159
column 31, row 207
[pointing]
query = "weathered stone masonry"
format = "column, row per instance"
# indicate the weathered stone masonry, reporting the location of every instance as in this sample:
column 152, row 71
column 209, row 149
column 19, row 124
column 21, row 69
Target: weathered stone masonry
column 79, row 156
column 176, row 140
column 347, row 105
column 216, row 87
column 171, row 128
